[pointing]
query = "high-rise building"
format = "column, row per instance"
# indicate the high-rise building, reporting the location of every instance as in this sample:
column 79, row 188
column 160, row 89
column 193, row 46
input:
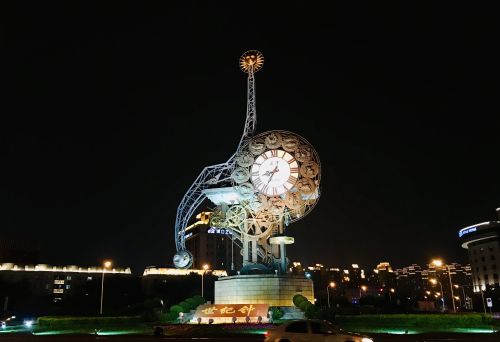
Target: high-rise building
column 212, row 246
column 482, row 242
column 383, row 276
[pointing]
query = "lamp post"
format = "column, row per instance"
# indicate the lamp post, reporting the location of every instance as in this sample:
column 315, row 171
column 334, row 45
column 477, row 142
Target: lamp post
column 364, row 288
column 483, row 288
column 332, row 285
column 434, row 282
column 205, row 268
column 439, row 263
column 390, row 296
column 106, row 264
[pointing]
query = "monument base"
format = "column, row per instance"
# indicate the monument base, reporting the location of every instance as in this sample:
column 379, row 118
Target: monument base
column 274, row 290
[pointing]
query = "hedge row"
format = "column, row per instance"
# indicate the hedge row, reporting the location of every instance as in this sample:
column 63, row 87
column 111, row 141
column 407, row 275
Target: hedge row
column 52, row 322
column 187, row 305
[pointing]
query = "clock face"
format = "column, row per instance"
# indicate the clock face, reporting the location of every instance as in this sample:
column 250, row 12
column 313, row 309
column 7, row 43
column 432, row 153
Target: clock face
column 274, row 172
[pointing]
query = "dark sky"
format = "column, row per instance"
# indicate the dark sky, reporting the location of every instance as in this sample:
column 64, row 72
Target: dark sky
column 111, row 112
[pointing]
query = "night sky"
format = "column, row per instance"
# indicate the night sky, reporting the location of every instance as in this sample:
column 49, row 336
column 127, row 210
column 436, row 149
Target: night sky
column 111, row 112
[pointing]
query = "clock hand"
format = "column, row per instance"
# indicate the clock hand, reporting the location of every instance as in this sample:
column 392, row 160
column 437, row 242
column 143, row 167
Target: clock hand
column 272, row 174
column 269, row 179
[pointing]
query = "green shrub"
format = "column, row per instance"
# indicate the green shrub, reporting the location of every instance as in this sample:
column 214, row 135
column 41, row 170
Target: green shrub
column 176, row 309
column 276, row 312
column 311, row 311
column 199, row 299
column 304, row 305
column 186, row 307
column 297, row 299
column 191, row 301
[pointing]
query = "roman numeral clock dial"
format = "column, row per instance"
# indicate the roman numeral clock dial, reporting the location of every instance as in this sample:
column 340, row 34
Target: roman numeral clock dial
column 274, row 172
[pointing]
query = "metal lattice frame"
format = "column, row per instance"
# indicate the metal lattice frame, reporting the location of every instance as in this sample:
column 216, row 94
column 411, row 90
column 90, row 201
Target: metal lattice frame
column 214, row 174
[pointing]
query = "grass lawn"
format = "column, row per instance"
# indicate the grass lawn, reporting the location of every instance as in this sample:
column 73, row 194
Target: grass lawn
column 370, row 324
column 419, row 323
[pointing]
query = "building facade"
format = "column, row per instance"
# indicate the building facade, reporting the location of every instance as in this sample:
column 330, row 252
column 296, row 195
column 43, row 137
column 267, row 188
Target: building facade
column 45, row 289
column 213, row 247
column 482, row 242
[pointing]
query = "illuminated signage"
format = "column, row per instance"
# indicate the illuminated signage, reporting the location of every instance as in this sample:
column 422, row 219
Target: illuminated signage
column 232, row 310
column 466, row 231
column 219, row 231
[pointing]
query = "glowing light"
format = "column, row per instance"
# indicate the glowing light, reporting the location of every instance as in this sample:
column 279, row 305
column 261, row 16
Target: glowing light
column 364, row 288
column 332, row 284
column 60, row 269
column 433, row 281
column 205, row 267
column 28, row 323
column 471, row 229
column 437, row 262
column 366, row 339
column 107, row 264
column 180, row 272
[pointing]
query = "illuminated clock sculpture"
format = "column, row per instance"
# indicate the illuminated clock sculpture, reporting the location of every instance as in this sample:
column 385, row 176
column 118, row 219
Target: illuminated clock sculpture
column 271, row 181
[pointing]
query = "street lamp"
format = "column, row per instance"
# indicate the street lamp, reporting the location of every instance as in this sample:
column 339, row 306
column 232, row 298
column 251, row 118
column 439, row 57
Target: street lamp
column 434, row 282
column 205, row 268
column 390, row 296
column 364, row 288
column 439, row 263
column 105, row 265
column 332, row 285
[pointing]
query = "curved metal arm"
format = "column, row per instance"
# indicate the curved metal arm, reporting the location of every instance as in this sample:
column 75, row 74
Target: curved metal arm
column 215, row 174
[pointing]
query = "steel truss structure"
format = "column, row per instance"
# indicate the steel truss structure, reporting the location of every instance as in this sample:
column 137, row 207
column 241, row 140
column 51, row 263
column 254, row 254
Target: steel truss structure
column 219, row 174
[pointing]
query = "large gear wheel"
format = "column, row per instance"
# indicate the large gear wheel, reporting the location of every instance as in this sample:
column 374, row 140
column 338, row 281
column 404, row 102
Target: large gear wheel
column 236, row 215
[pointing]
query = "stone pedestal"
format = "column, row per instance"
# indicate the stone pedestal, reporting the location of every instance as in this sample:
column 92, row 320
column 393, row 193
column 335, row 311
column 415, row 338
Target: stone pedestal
column 275, row 290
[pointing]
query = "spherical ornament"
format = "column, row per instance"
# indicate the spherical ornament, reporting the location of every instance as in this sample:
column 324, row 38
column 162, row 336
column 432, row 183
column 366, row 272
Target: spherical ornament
column 245, row 190
column 245, row 158
column 309, row 169
column 293, row 200
column 240, row 175
column 303, row 153
column 290, row 143
column 183, row 259
column 305, row 186
column 276, row 205
column 256, row 146
column 273, row 140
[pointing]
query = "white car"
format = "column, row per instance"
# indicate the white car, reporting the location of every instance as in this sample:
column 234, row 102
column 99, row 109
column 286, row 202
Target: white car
column 312, row 330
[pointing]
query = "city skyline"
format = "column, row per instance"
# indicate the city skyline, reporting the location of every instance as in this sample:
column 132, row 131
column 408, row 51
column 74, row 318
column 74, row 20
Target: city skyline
column 112, row 121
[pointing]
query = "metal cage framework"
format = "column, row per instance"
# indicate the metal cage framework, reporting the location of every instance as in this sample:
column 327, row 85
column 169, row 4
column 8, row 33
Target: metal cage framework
column 215, row 174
